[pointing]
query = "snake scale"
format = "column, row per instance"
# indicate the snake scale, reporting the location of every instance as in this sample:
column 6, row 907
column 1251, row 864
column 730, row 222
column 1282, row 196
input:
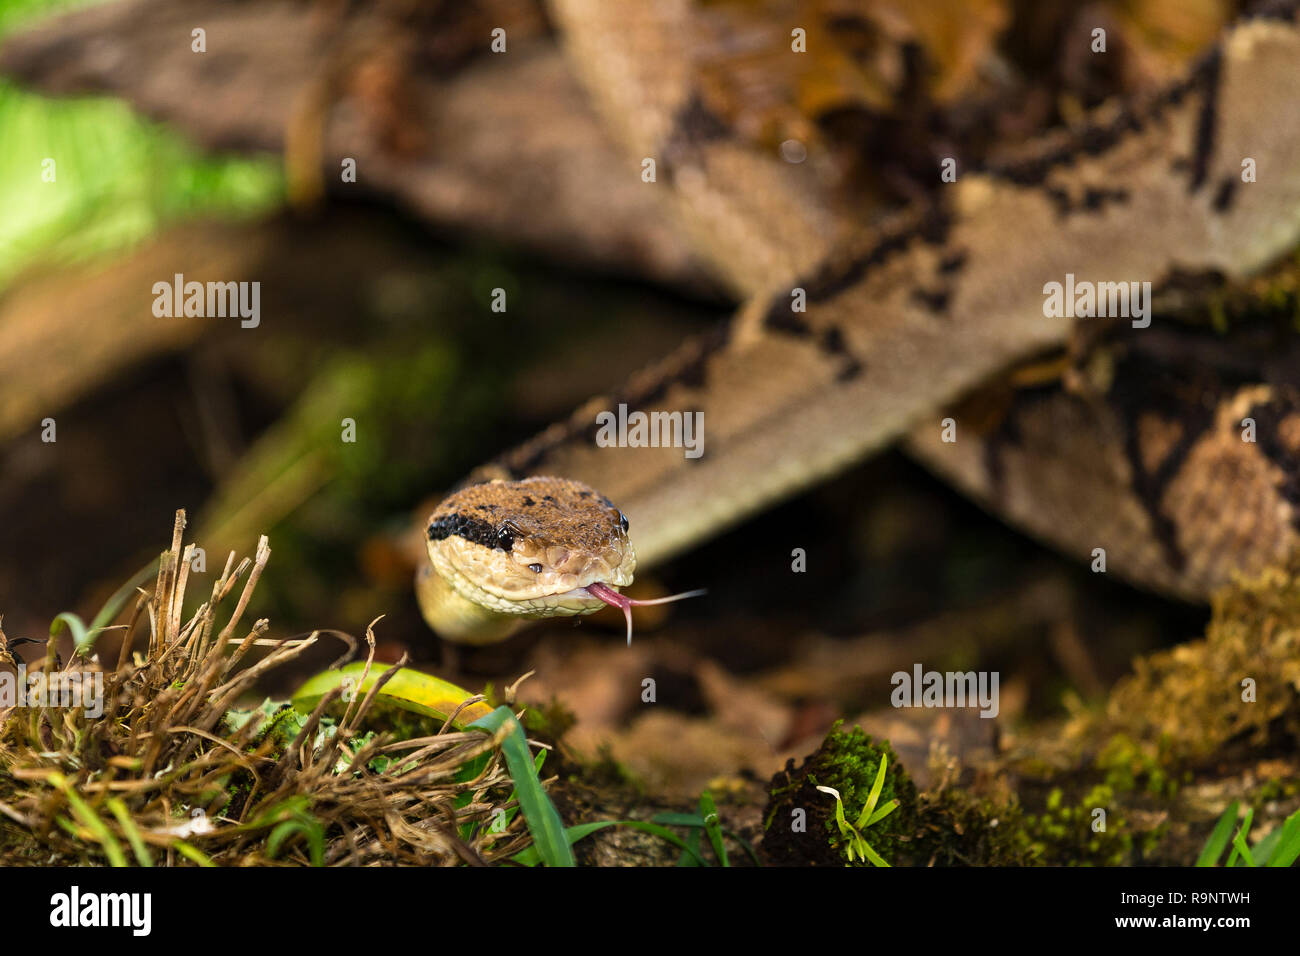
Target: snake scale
column 896, row 325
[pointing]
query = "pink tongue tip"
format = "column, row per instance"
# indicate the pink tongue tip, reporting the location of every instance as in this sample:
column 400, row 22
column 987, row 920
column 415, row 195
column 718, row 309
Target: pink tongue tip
column 611, row 597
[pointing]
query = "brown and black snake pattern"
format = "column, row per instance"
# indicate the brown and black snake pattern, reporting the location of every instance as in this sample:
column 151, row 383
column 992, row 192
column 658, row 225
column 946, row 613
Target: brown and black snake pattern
column 1148, row 463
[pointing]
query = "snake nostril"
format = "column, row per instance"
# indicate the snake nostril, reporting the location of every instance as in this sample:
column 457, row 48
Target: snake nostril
column 535, row 568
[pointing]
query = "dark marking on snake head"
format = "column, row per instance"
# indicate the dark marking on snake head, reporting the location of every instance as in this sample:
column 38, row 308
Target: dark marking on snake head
column 529, row 502
column 474, row 530
column 1225, row 194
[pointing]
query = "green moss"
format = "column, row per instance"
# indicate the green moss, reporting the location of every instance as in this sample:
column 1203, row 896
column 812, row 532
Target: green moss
column 1128, row 766
column 1068, row 834
column 847, row 761
column 959, row 828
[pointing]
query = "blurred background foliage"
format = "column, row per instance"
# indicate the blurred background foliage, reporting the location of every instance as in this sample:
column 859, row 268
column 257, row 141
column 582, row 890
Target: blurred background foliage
column 121, row 178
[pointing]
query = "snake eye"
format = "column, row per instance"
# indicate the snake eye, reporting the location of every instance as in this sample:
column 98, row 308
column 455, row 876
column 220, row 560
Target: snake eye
column 622, row 521
column 505, row 537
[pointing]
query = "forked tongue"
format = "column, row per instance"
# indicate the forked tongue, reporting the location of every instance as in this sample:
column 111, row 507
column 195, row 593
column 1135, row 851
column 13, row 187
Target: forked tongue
column 614, row 599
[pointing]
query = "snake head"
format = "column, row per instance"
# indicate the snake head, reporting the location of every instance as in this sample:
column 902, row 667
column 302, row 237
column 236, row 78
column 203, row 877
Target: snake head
column 531, row 547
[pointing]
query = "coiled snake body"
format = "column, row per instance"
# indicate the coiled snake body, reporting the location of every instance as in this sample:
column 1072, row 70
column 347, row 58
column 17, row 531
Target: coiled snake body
column 1148, row 462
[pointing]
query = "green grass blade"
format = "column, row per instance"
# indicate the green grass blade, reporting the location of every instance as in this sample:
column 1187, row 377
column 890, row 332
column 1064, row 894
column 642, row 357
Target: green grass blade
column 1263, row 850
column 543, row 820
column 123, row 818
column 694, row 820
column 1287, row 849
column 709, row 810
column 672, row 819
column 1219, row 838
column 530, row 856
column 693, row 840
column 872, row 855
column 869, row 807
column 193, row 853
column 89, row 819
column 82, row 638
column 1239, row 841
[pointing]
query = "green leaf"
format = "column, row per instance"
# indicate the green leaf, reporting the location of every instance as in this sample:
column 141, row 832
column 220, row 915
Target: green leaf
column 193, row 854
column 123, row 818
column 694, row 839
column 530, row 856
column 881, row 813
column 1239, row 841
column 1288, row 843
column 1218, row 840
column 408, row 689
column 309, row 827
column 543, row 821
column 875, row 858
column 82, row 638
column 673, row 819
column 709, row 810
column 869, row 807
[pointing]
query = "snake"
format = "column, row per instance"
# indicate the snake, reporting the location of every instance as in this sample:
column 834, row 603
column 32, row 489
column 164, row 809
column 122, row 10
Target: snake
column 1174, row 452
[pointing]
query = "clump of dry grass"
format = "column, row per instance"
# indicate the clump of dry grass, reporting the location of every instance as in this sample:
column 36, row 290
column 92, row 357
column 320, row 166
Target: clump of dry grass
column 165, row 776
